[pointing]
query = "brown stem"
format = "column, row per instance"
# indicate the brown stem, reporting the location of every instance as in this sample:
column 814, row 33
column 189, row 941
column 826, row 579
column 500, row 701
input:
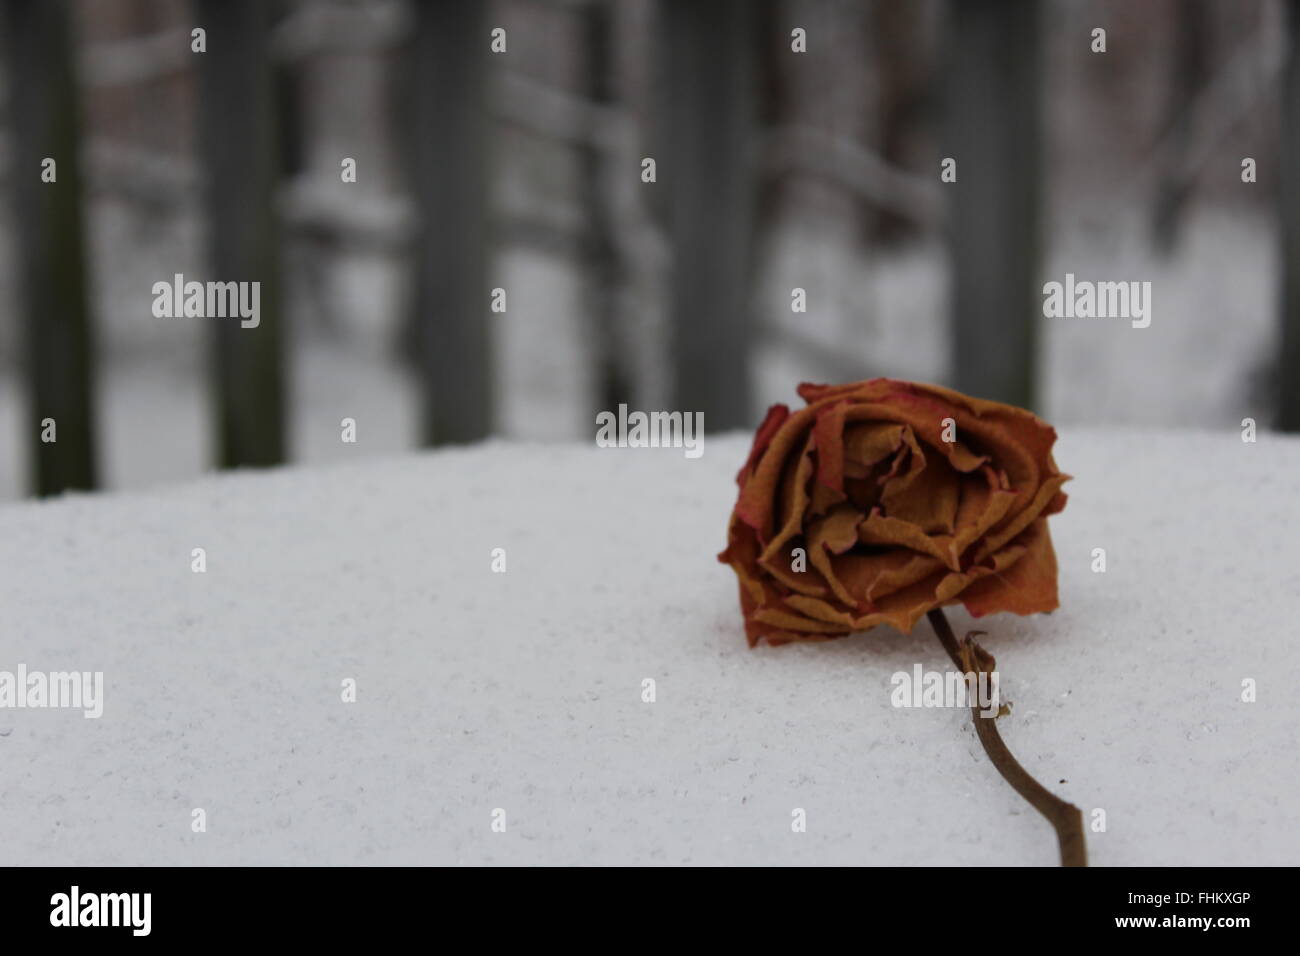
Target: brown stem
column 1065, row 818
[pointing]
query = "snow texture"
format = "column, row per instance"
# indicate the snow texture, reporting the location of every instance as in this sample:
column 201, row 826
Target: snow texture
column 522, row 691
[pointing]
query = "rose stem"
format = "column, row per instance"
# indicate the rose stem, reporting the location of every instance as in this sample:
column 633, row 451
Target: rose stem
column 1065, row 818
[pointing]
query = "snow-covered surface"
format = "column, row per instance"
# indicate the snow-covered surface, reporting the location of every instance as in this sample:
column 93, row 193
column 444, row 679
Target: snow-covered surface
column 523, row 690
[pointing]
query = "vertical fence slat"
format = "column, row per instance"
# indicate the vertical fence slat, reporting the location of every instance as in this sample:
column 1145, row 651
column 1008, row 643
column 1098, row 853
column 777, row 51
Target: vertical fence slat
column 1288, row 359
column 710, row 56
column 57, row 324
column 604, row 269
column 1189, row 64
column 991, row 128
column 237, row 138
column 448, row 114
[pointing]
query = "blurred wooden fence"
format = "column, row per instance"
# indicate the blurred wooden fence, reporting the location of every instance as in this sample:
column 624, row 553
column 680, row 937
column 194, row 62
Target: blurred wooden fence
column 713, row 153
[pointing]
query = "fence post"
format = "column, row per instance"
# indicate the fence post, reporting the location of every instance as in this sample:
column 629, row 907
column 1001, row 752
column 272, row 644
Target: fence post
column 613, row 375
column 991, row 129
column 58, row 335
column 448, row 113
column 1288, row 360
column 710, row 57
column 237, row 136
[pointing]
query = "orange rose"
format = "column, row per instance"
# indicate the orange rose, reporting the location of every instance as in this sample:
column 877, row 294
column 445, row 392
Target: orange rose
column 882, row 500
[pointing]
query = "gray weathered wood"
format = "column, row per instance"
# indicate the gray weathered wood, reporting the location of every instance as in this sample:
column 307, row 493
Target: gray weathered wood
column 446, row 114
column 710, row 56
column 49, row 245
column 1189, row 67
column 604, row 279
column 238, row 144
column 991, row 128
column 1288, row 357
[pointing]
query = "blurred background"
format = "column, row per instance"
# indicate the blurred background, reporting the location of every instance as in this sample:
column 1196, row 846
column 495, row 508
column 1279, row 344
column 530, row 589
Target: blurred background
column 503, row 145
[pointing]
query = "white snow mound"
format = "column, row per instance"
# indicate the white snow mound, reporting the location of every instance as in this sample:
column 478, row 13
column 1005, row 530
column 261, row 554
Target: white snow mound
column 522, row 691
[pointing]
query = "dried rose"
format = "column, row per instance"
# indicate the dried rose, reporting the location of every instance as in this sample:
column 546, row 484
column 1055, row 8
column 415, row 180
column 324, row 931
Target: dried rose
column 882, row 500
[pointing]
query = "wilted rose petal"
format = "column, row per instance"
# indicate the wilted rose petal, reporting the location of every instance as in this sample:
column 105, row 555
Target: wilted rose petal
column 894, row 521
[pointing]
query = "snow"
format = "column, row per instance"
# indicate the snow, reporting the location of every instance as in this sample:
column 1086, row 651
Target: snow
column 522, row 691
